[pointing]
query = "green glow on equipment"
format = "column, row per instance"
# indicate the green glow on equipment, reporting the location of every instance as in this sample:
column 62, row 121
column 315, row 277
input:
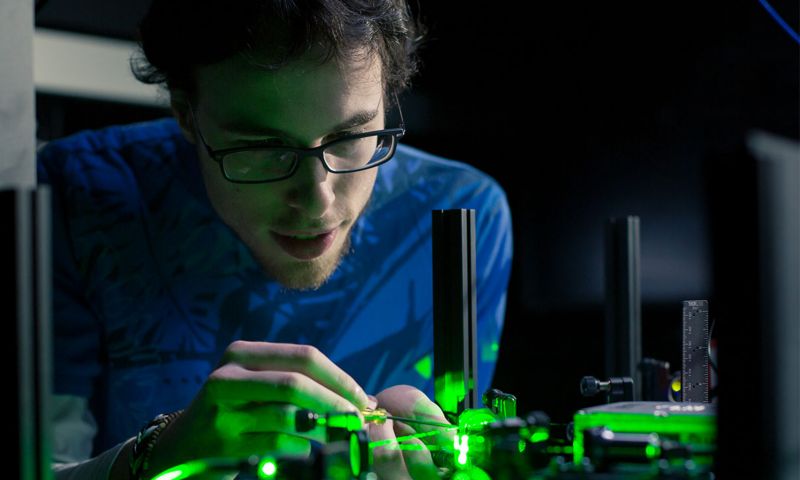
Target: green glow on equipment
column 355, row 455
column 691, row 424
column 474, row 420
column 449, row 390
column 676, row 385
column 171, row 475
column 267, row 468
column 521, row 446
column 652, row 451
column 461, row 444
column 540, row 435
column 565, row 450
column 184, row 470
column 424, row 367
column 471, row 473
column 348, row 421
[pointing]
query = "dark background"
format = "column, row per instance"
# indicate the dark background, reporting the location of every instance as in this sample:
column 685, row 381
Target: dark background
column 582, row 111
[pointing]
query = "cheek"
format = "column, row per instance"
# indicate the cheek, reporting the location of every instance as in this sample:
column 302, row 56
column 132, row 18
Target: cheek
column 358, row 187
column 237, row 204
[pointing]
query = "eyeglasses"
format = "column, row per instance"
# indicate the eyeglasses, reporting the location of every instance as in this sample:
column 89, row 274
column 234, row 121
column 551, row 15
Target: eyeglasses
column 347, row 154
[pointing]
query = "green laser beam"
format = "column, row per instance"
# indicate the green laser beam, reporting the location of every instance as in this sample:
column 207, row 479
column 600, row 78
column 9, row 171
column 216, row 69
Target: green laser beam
column 413, row 448
column 430, row 448
column 388, row 441
column 462, row 446
column 184, row 470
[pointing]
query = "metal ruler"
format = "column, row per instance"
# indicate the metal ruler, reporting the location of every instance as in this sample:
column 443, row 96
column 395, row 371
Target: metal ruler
column 694, row 378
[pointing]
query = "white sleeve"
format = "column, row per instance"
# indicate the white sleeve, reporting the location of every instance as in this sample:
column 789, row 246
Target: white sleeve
column 74, row 428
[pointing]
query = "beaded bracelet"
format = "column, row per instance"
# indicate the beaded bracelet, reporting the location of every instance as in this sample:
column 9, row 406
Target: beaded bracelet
column 145, row 441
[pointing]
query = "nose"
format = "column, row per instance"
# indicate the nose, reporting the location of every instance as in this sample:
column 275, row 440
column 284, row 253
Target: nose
column 311, row 191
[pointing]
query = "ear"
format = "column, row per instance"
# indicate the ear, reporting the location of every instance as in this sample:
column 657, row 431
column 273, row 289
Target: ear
column 179, row 102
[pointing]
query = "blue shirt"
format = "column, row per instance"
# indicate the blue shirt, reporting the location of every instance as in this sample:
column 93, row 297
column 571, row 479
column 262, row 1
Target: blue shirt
column 150, row 286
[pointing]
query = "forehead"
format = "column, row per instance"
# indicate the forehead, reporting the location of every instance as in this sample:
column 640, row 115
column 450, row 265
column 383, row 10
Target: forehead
column 303, row 94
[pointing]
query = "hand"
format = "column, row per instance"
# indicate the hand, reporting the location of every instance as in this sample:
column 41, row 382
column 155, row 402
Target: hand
column 415, row 461
column 247, row 404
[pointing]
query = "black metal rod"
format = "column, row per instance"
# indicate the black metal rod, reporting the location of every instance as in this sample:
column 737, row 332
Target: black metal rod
column 43, row 329
column 27, row 298
column 623, row 325
column 454, row 310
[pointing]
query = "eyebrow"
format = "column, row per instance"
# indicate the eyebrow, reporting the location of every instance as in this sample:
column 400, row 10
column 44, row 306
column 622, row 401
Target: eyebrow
column 244, row 129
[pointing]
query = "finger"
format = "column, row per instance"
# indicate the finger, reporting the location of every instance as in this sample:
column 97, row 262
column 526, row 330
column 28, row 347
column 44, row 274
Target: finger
column 234, row 385
column 434, row 437
column 387, row 459
column 305, row 359
column 402, row 429
column 418, row 460
column 372, row 401
column 416, row 456
column 255, row 418
column 408, row 401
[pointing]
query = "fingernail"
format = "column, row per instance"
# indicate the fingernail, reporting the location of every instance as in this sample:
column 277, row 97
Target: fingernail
column 361, row 398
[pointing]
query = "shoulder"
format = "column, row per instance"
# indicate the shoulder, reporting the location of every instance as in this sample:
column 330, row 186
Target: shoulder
column 416, row 182
column 435, row 182
column 112, row 153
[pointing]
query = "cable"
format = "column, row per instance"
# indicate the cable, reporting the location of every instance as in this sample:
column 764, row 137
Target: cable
column 780, row 20
column 412, row 421
column 380, row 415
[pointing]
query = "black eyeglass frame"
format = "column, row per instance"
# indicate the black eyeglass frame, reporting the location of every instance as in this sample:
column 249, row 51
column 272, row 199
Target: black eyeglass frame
column 318, row 152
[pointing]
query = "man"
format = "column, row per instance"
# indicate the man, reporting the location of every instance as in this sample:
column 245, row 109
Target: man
column 259, row 253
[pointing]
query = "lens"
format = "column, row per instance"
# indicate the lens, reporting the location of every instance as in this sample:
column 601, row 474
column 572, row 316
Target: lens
column 258, row 165
column 347, row 154
column 354, row 153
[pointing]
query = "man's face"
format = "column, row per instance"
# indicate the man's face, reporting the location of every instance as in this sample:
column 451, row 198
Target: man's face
column 298, row 229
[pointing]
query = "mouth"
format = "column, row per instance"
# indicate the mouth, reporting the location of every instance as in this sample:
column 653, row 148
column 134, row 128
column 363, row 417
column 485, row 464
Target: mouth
column 305, row 245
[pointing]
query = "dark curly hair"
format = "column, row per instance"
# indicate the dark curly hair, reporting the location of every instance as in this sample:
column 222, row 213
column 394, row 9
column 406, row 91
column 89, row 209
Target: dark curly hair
column 176, row 36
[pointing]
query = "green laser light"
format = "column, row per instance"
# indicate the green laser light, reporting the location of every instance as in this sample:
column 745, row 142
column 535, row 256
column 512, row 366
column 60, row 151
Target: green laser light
column 652, row 451
column 355, row 456
column 540, row 435
column 170, row 475
column 676, row 385
column 521, row 446
column 461, row 444
column 267, row 469
column 184, row 470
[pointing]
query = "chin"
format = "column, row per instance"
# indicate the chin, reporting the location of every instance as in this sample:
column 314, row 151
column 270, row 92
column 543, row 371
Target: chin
column 307, row 277
column 308, row 274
